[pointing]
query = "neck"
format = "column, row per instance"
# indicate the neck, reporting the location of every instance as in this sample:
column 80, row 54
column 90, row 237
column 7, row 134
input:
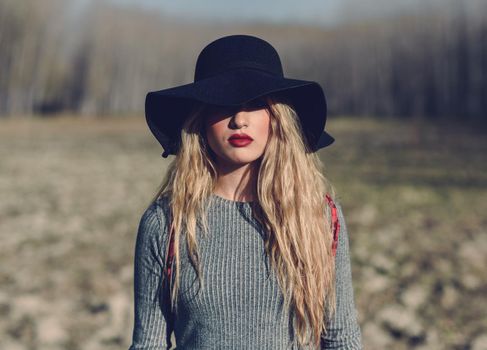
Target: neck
column 237, row 182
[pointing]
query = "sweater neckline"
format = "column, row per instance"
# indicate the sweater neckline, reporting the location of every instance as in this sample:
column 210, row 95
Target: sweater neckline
column 226, row 201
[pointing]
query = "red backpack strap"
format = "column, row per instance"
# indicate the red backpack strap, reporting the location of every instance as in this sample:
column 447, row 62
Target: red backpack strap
column 167, row 279
column 335, row 223
column 169, row 255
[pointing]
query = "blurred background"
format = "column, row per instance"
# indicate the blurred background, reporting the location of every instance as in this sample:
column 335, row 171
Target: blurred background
column 407, row 94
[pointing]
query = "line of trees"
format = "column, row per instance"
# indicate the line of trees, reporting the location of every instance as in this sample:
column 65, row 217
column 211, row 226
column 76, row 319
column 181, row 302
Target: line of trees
column 103, row 59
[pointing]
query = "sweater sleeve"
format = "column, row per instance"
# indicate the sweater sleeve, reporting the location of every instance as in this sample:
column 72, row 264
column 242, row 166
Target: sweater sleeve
column 343, row 329
column 149, row 332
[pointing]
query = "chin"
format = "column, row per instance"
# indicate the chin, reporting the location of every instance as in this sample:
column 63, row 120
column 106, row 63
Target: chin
column 242, row 160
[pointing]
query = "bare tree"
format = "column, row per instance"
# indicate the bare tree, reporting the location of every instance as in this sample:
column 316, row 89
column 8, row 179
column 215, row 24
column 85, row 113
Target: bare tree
column 431, row 63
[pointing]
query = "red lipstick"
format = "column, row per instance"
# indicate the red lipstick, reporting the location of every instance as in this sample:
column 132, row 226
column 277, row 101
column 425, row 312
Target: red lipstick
column 239, row 140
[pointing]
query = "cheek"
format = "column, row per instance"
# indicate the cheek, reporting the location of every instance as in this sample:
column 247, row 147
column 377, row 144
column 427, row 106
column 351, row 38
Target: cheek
column 216, row 130
column 215, row 133
column 264, row 125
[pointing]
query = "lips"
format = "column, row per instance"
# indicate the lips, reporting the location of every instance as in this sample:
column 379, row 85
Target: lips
column 239, row 140
column 240, row 137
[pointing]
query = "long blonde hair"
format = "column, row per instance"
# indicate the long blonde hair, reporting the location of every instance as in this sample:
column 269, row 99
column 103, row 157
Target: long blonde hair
column 291, row 206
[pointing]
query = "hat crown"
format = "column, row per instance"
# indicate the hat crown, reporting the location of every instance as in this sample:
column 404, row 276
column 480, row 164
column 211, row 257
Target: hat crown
column 237, row 51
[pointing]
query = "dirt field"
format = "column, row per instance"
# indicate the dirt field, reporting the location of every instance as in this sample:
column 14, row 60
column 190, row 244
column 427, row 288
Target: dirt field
column 72, row 192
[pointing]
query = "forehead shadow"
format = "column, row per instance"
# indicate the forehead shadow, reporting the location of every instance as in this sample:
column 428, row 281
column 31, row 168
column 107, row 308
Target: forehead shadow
column 215, row 113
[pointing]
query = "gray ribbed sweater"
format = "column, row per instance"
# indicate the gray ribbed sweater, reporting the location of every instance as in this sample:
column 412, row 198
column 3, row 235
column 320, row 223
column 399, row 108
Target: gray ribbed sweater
column 241, row 304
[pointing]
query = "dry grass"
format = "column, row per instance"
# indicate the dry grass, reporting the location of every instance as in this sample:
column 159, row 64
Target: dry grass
column 73, row 190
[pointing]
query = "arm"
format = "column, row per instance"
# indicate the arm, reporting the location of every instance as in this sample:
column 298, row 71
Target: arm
column 343, row 330
column 149, row 323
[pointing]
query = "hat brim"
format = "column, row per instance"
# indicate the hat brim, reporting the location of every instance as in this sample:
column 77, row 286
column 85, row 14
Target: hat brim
column 166, row 110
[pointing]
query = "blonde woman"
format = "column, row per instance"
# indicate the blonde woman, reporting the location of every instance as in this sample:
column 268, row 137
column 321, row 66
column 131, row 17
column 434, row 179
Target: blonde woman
column 236, row 249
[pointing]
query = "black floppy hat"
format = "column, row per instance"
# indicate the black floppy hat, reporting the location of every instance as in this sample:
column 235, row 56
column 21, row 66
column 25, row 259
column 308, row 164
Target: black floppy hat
column 231, row 71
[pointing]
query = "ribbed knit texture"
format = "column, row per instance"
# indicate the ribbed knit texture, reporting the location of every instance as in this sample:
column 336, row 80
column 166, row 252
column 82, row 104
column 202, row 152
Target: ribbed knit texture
column 241, row 304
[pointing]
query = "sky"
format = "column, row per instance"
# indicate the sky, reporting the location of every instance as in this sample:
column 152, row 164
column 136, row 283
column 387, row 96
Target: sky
column 325, row 12
column 243, row 10
column 320, row 12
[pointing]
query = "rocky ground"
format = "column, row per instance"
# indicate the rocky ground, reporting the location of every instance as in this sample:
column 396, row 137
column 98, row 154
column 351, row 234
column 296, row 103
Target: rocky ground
column 414, row 197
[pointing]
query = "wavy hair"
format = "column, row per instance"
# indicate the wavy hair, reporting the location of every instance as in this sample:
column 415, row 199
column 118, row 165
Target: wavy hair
column 291, row 206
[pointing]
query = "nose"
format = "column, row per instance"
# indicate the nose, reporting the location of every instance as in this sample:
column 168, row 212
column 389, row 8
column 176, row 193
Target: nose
column 239, row 120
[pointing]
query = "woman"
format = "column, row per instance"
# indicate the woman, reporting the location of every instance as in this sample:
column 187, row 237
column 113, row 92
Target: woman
column 243, row 210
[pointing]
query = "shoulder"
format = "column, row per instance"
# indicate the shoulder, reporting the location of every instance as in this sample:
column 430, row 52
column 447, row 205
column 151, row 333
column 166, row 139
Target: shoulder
column 153, row 224
column 342, row 234
column 341, row 216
